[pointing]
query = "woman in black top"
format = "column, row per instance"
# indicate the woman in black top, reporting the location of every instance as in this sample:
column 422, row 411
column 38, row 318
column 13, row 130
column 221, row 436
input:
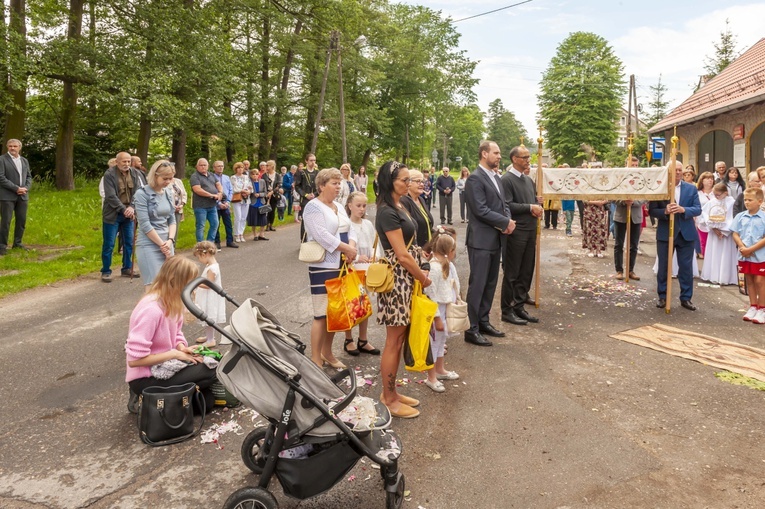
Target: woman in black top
column 396, row 230
column 415, row 205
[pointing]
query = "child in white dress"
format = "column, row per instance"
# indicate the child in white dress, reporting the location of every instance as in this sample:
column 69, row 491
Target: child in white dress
column 444, row 290
column 213, row 304
column 721, row 254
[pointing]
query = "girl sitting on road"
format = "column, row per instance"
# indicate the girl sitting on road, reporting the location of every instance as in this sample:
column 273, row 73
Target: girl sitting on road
column 209, row 301
column 156, row 335
column 444, row 290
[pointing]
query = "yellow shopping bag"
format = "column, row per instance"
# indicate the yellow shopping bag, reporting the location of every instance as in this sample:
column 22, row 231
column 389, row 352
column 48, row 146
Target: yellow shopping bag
column 418, row 355
column 348, row 302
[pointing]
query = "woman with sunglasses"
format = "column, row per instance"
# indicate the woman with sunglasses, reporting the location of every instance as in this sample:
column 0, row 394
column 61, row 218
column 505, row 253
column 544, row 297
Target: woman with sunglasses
column 417, row 208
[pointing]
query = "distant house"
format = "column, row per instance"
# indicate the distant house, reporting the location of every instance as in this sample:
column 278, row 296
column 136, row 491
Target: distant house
column 621, row 142
column 725, row 119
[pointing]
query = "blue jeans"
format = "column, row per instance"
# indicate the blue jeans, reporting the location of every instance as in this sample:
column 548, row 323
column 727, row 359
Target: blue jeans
column 201, row 216
column 126, row 227
column 224, row 216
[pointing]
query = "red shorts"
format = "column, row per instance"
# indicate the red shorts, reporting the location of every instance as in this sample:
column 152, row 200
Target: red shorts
column 757, row 269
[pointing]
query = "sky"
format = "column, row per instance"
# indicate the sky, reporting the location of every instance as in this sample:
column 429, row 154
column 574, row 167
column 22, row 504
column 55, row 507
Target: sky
column 652, row 38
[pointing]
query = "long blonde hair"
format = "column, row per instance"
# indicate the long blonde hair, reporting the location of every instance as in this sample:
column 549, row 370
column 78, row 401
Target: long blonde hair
column 173, row 277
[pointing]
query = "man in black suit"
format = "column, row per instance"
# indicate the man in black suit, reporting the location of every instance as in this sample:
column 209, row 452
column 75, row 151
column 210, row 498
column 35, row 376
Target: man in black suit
column 520, row 247
column 15, row 181
column 489, row 222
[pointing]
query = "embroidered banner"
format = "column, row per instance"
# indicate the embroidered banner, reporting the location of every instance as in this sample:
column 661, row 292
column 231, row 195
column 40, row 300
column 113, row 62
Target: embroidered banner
column 605, row 183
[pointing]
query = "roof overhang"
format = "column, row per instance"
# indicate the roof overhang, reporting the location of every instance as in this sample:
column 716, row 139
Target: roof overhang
column 663, row 126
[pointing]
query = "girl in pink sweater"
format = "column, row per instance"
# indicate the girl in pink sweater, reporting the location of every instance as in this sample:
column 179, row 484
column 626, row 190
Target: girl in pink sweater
column 156, row 335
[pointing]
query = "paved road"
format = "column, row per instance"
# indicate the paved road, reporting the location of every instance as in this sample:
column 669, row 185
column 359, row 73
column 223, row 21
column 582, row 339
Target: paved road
column 556, row 415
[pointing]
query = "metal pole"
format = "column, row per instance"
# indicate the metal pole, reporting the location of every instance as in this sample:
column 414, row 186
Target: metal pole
column 671, row 184
column 538, row 254
column 315, row 140
column 342, row 97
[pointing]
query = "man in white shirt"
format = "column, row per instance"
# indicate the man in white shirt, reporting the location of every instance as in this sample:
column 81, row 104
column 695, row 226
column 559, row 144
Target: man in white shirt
column 15, row 181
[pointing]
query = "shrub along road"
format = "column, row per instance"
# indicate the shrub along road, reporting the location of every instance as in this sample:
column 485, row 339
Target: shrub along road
column 555, row 415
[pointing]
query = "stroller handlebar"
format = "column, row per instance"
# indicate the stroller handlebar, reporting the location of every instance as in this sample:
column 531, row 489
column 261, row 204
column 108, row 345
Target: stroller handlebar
column 195, row 310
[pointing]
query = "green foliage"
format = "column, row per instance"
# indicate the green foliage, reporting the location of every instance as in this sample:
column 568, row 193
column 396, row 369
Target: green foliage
column 657, row 105
column 725, row 52
column 581, row 95
column 504, row 129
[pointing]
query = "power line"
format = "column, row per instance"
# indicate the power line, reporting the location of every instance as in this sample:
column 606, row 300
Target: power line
column 491, row 12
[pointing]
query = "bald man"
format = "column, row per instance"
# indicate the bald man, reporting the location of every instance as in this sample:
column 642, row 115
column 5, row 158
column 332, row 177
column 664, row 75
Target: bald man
column 121, row 181
column 685, row 208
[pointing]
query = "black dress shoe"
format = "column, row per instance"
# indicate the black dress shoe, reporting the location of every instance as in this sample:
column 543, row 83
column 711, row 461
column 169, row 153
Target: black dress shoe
column 490, row 330
column 525, row 316
column 232, row 244
column 661, row 303
column 511, row 317
column 20, row 246
column 477, row 339
column 530, row 302
column 688, row 305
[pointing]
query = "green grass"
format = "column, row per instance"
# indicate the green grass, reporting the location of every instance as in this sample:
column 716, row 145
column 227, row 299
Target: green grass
column 64, row 230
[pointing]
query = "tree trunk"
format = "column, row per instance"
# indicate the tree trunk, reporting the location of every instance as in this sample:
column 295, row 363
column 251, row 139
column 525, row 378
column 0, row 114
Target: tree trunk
column 17, row 81
column 92, row 105
column 65, row 138
column 250, row 99
column 204, row 143
column 311, row 105
column 3, row 69
column 179, row 152
column 230, row 147
column 144, row 136
column 281, row 103
column 264, row 71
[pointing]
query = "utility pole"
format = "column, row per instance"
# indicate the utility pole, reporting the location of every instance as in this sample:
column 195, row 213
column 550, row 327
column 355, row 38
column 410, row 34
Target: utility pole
column 332, row 43
column 342, row 97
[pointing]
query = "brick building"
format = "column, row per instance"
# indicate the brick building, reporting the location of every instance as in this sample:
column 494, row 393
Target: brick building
column 725, row 119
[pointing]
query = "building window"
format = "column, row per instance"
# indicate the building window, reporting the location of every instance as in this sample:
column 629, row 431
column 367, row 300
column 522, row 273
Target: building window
column 623, row 121
column 622, row 142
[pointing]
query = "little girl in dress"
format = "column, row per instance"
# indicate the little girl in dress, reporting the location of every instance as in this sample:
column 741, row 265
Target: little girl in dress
column 212, row 303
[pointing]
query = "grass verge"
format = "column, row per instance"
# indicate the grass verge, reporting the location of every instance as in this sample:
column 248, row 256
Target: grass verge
column 64, row 231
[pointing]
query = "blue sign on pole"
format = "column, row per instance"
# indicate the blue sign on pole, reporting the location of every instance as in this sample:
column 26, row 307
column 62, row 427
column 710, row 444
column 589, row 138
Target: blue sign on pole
column 657, row 148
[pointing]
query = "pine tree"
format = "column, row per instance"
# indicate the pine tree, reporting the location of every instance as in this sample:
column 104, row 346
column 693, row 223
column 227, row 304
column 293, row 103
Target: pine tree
column 657, row 106
column 725, row 53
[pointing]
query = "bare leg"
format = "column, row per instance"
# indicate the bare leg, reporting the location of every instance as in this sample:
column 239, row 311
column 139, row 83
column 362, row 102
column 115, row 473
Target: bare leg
column 389, row 361
column 440, row 367
column 751, row 284
column 326, row 344
column 318, row 329
column 759, row 287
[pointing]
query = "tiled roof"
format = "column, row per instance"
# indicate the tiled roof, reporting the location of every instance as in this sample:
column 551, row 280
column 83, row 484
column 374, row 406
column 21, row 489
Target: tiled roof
column 740, row 84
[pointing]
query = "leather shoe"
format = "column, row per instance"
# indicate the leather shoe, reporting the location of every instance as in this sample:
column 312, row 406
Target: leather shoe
column 522, row 314
column 490, row 330
column 20, row 246
column 688, row 305
column 511, row 317
column 476, row 338
column 530, row 302
column 661, row 303
column 634, row 276
column 232, row 244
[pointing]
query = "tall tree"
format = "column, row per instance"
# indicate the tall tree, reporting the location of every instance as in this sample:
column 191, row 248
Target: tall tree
column 580, row 100
column 657, row 106
column 16, row 83
column 725, row 52
column 503, row 128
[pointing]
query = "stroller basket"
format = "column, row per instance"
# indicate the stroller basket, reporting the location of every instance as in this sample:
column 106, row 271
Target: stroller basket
column 310, row 476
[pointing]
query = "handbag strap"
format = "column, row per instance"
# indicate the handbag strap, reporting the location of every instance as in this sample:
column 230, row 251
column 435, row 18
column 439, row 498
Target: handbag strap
column 199, row 398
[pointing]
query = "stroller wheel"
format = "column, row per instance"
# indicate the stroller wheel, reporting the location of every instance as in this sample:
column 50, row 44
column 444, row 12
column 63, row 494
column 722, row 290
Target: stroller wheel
column 395, row 498
column 255, row 450
column 251, row 498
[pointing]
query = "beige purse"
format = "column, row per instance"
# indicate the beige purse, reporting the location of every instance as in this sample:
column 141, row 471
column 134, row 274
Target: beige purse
column 457, row 315
column 311, row 251
column 379, row 277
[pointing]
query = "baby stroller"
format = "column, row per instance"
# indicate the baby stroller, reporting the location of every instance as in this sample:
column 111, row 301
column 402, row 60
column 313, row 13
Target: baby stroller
column 317, row 431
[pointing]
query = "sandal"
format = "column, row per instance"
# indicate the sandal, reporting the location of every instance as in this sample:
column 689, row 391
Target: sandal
column 363, row 343
column 353, row 352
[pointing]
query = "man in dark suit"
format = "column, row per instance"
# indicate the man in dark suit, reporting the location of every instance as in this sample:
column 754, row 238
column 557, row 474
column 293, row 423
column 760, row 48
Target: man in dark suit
column 520, row 249
column 685, row 208
column 489, row 222
column 15, row 181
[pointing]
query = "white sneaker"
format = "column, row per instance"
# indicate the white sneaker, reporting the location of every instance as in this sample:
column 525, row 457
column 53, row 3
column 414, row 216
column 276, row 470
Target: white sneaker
column 759, row 318
column 750, row 314
column 449, row 375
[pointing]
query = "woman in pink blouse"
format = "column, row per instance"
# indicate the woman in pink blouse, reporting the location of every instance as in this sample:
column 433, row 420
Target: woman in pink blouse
column 156, row 336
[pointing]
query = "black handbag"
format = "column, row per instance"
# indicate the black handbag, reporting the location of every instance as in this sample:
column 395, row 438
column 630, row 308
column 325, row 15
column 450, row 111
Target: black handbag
column 166, row 414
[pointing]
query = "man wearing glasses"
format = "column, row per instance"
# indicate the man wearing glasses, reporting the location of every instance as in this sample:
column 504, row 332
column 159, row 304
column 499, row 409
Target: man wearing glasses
column 518, row 257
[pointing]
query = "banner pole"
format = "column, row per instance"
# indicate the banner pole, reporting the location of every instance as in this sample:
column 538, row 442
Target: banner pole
column 671, row 185
column 628, row 240
column 538, row 254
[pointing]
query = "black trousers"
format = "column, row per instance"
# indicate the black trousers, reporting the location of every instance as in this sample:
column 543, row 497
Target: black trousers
column 224, row 216
column 7, row 210
column 518, row 266
column 482, row 283
column 445, row 201
column 199, row 374
column 620, row 233
column 551, row 216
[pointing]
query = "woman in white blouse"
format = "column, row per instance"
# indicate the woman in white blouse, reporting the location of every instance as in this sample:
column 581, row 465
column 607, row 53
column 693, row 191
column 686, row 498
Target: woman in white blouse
column 346, row 185
column 242, row 188
column 327, row 223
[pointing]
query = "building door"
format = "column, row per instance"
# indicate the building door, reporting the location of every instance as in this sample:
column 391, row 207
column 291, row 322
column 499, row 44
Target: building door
column 757, row 147
column 714, row 146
